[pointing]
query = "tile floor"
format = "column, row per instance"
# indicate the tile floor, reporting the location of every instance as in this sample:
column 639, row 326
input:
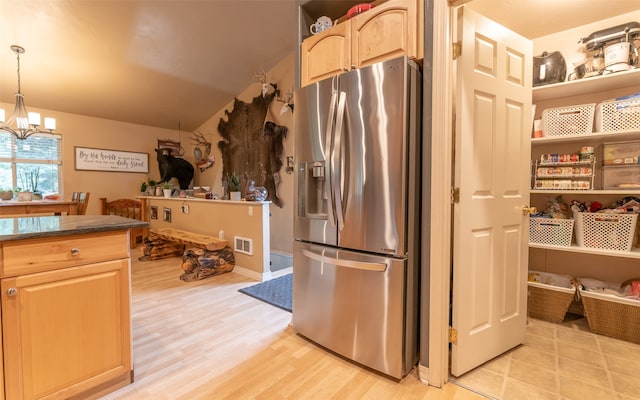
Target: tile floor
column 560, row 361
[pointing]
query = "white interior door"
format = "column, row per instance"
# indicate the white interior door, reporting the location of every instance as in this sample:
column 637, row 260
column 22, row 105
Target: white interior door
column 492, row 152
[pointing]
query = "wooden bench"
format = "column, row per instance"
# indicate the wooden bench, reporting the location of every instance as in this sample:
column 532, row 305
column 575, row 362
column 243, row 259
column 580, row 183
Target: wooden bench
column 191, row 239
column 206, row 256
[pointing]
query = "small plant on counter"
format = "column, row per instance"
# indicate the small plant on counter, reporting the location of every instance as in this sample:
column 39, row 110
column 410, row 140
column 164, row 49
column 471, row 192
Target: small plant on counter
column 6, row 193
column 148, row 184
column 166, row 185
column 234, row 183
column 31, row 179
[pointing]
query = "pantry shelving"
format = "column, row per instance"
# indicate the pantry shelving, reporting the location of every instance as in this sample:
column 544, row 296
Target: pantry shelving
column 618, row 80
column 581, row 91
column 616, row 192
column 634, row 253
column 589, row 137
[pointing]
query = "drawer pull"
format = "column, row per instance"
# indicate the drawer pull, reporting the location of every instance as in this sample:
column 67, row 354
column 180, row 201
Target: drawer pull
column 75, row 251
column 12, row 291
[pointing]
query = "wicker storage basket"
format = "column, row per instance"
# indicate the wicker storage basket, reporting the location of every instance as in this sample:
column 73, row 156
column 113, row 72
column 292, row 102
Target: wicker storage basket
column 612, row 316
column 551, row 231
column 621, row 115
column 605, row 231
column 548, row 302
column 567, row 121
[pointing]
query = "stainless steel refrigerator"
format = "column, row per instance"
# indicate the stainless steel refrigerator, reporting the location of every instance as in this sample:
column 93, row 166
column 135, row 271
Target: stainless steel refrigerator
column 356, row 224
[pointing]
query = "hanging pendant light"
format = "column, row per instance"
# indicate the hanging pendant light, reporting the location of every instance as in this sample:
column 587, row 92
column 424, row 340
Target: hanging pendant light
column 21, row 123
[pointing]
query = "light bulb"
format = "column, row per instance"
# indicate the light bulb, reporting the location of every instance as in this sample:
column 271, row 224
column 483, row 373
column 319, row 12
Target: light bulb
column 49, row 123
column 34, row 119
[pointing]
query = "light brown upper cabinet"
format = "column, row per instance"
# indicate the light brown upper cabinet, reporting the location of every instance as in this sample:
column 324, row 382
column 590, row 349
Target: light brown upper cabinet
column 326, row 54
column 391, row 29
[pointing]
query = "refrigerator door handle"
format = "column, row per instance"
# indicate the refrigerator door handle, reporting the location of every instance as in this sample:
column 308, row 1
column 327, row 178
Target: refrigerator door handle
column 331, row 209
column 367, row 266
column 337, row 160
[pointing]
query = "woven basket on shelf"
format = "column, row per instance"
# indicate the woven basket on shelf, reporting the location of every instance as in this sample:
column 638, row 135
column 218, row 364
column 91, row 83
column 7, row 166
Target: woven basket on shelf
column 549, row 303
column 576, row 307
column 614, row 317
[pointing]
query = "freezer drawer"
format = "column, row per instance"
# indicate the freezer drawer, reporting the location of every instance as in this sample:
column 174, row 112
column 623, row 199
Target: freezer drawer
column 356, row 305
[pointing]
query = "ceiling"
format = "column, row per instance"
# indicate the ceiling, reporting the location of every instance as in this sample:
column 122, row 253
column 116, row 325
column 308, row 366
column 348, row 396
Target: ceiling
column 536, row 18
column 156, row 63
column 170, row 63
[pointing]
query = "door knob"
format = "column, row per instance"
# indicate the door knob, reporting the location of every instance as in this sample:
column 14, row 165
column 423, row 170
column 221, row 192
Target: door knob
column 12, row 291
column 526, row 210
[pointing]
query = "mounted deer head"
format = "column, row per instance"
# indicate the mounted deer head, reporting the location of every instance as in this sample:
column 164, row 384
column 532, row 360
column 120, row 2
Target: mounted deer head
column 287, row 100
column 203, row 146
column 261, row 77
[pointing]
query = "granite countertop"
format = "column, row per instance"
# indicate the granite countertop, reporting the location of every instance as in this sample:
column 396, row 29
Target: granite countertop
column 48, row 226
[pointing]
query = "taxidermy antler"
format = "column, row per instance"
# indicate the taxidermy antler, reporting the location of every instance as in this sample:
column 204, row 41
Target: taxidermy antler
column 286, row 99
column 199, row 140
column 261, row 77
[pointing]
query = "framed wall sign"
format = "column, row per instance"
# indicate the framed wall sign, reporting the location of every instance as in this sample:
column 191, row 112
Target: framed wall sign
column 110, row 160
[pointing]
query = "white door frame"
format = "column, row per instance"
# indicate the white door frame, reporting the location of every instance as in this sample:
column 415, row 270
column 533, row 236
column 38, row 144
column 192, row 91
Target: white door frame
column 436, row 373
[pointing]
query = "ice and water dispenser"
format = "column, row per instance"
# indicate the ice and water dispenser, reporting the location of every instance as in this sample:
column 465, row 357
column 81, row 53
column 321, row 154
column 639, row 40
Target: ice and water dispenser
column 312, row 200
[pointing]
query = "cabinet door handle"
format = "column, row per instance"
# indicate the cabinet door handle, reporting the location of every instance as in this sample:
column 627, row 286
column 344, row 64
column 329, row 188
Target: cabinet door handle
column 75, row 251
column 12, row 291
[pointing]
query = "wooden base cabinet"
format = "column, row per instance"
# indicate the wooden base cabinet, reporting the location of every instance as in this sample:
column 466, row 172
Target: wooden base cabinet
column 67, row 332
column 1, row 371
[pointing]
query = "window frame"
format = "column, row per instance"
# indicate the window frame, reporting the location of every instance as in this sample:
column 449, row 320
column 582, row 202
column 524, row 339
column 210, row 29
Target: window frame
column 9, row 155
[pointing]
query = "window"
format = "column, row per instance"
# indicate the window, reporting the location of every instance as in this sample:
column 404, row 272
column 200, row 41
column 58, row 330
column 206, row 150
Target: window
column 33, row 164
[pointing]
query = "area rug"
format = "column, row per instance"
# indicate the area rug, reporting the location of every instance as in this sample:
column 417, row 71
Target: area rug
column 276, row 292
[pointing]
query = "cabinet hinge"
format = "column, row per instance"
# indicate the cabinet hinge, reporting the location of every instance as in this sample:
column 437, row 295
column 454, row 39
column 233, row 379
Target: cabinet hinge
column 453, row 335
column 457, row 50
column 455, row 195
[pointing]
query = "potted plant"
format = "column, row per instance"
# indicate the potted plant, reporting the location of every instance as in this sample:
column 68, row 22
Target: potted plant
column 148, row 187
column 23, row 195
column 166, row 189
column 6, row 194
column 30, row 179
column 234, row 187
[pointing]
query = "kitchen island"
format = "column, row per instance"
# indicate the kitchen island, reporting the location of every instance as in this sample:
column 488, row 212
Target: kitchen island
column 66, row 296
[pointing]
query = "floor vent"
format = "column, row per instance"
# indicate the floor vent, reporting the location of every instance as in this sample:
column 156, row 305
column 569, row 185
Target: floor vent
column 243, row 245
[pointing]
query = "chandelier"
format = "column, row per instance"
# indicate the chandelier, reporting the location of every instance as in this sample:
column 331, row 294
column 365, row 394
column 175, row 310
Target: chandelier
column 21, row 123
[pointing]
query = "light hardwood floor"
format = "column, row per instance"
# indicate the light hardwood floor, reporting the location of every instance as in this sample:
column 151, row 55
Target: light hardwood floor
column 206, row 340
